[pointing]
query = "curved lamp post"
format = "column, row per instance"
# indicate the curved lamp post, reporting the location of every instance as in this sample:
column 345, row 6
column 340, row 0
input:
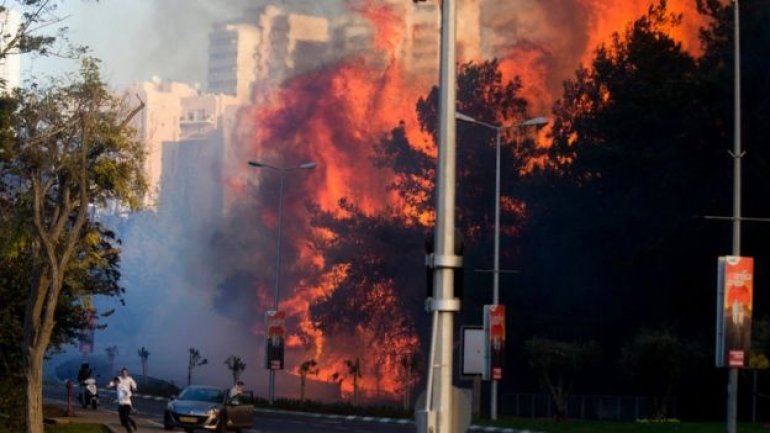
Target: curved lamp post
column 281, row 171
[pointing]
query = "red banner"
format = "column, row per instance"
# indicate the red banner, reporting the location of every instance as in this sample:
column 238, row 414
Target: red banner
column 494, row 326
column 735, row 304
column 275, row 332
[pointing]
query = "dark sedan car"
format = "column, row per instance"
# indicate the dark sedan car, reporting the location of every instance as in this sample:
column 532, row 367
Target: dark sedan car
column 209, row 408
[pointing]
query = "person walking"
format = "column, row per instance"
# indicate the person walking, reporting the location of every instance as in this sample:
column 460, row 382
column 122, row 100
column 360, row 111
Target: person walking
column 124, row 386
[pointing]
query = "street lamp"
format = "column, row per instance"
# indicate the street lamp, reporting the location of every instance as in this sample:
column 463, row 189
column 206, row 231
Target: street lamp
column 281, row 171
column 535, row 121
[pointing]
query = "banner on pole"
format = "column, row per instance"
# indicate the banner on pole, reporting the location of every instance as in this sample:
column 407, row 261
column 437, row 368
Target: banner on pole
column 275, row 331
column 494, row 328
column 735, row 290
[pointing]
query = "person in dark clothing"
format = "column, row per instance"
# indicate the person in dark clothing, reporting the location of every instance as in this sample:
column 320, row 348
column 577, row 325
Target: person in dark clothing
column 84, row 373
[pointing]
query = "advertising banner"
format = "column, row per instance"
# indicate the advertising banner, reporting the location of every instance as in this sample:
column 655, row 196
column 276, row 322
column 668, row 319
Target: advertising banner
column 735, row 289
column 494, row 327
column 275, row 331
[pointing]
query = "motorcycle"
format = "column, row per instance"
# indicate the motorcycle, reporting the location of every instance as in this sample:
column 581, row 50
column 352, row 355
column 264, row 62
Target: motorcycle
column 89, row 394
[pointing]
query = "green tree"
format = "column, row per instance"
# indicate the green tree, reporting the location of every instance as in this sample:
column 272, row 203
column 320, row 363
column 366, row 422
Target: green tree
column 144, row 356
column 307, row 367
column 72, row 149
column 557, row 364
column 194, row 360
column 654, row 361
column 236, row 367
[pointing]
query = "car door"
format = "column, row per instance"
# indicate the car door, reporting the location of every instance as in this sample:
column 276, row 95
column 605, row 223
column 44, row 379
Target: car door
column 240, row 410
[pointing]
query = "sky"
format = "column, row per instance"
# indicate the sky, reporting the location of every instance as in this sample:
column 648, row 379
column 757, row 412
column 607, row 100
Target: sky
column 140, row 39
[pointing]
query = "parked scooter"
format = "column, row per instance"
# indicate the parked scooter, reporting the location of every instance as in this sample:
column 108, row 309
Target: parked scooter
column 89, row 394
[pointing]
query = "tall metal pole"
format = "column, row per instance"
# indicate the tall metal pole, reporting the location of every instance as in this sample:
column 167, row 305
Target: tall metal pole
column 496, row 265
column 732, row 378
column 276, row 289
column 444, row 302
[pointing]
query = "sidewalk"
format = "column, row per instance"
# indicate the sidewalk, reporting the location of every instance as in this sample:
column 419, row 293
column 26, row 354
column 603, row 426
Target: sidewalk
column 108, row 418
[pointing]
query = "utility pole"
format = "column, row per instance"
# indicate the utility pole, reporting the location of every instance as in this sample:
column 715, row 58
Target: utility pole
column 437, row 416
column 737, row 153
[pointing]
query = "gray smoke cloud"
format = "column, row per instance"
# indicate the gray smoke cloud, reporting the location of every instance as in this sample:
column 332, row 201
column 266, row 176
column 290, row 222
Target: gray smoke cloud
column 140, row 39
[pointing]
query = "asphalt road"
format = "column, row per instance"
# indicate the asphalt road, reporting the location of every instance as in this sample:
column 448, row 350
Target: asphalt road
column 264, row 421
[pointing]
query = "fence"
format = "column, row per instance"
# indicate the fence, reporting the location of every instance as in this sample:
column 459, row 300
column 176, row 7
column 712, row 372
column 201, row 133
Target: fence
column 595, row 407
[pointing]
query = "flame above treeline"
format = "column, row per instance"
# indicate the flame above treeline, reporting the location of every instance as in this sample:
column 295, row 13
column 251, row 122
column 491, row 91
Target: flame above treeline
column 334, row 115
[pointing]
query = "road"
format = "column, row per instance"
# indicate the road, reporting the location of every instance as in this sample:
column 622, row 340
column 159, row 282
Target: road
column 264, row 421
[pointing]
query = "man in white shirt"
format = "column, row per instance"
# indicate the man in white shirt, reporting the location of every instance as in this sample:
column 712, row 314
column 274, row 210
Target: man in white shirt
column 124, row 387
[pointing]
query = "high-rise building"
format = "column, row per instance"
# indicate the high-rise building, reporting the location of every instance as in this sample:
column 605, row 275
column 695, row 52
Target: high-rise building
column 289, row 43
column 232, row 59
column 421, row 42
column 10, row 64
column 158, row 122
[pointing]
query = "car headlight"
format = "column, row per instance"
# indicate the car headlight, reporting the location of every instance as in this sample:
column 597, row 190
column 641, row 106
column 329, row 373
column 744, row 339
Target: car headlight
column 213, row 411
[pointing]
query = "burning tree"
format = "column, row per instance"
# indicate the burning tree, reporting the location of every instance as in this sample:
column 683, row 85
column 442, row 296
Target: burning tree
column 194, row 360
column 379, row 295
column 144, row 354
column 236, row 367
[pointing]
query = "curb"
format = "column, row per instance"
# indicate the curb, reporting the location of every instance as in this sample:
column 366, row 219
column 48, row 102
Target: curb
column 383, row 420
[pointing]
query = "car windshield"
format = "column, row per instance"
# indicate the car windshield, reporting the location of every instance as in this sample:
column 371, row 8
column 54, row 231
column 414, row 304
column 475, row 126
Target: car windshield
column 202, row 394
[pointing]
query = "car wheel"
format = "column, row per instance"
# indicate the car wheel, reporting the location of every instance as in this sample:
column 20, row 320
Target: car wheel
column 221, row 425
column 168, row 424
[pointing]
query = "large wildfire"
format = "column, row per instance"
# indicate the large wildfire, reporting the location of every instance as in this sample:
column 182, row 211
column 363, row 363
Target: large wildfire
column 335, row 114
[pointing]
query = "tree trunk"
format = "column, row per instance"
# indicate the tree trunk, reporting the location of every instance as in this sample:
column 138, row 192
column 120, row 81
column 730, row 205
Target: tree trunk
column 38, row 325
column 302, row 388
column 33, row 370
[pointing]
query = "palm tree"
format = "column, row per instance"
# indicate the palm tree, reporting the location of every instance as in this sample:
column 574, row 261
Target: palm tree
column 410, row 363
column 236, row 367
column 307, row 367
column 195, row 360
column 143, row 355
column 354, row 369
column 112, row 352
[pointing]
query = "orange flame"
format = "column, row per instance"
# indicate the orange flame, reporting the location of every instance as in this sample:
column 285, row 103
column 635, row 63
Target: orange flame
column 335, row 116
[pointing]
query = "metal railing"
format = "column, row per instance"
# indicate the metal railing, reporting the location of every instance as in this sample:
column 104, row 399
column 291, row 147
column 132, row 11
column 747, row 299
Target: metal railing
column 594, row 407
